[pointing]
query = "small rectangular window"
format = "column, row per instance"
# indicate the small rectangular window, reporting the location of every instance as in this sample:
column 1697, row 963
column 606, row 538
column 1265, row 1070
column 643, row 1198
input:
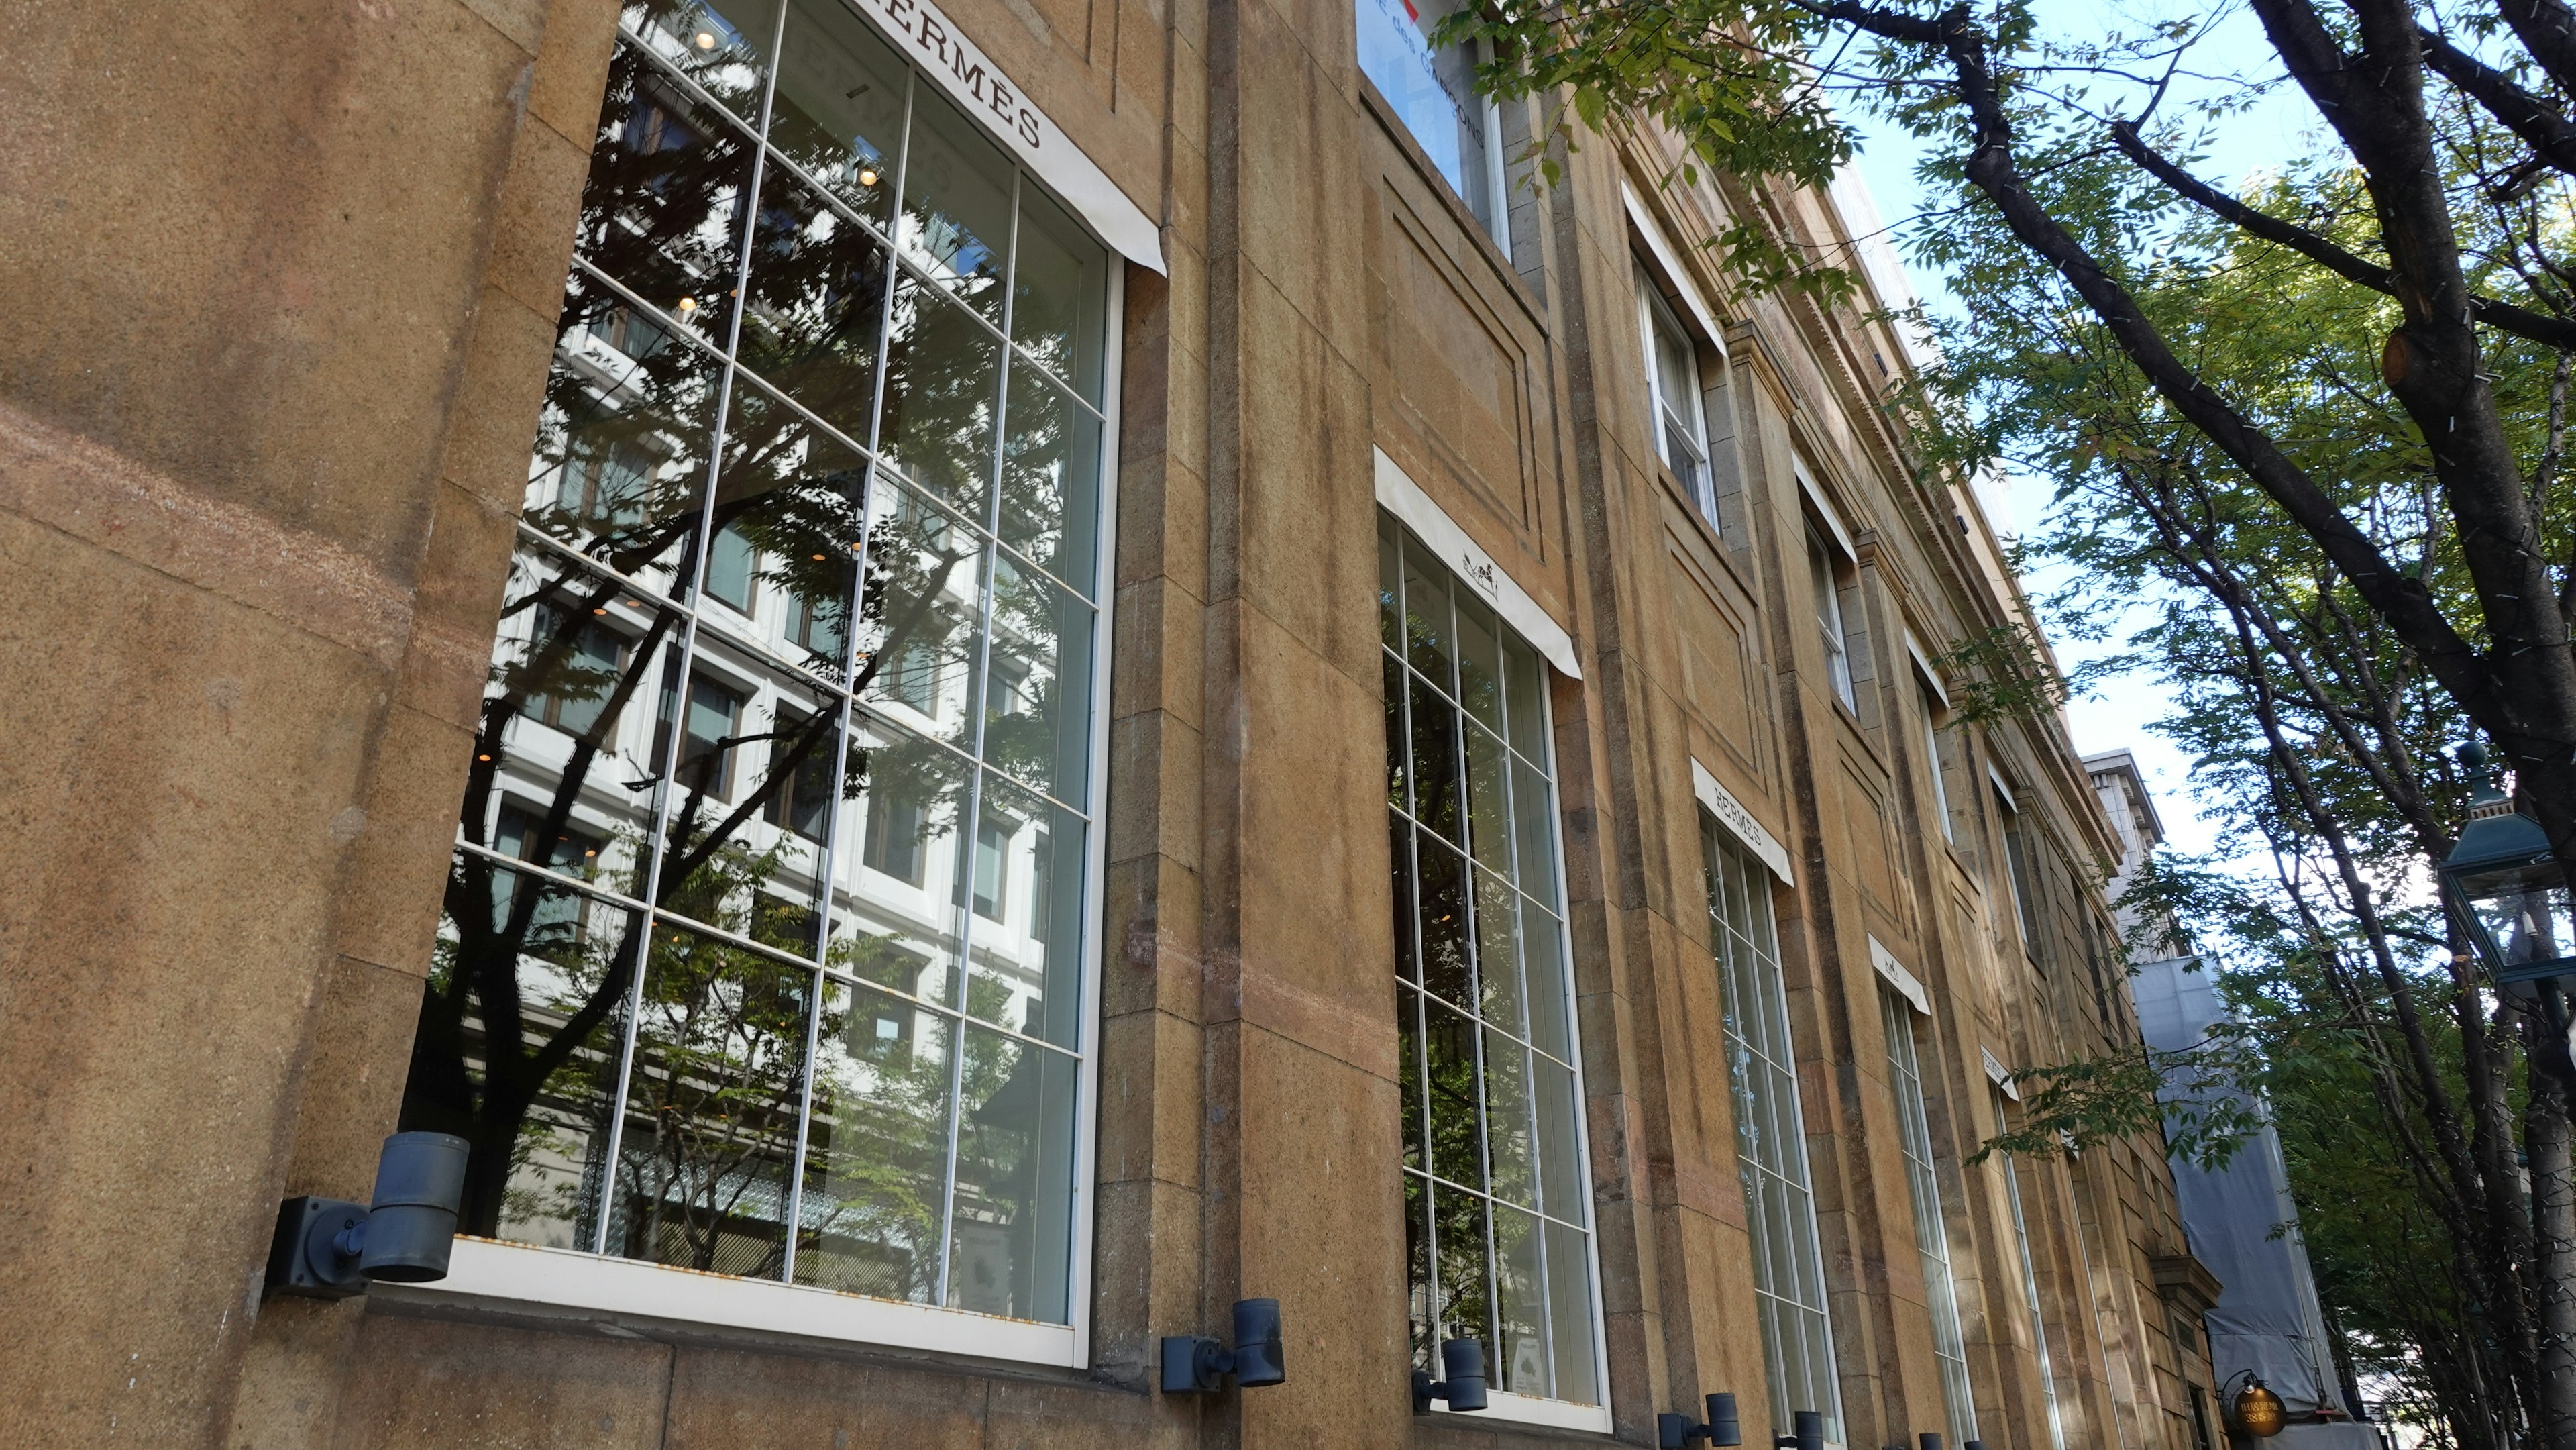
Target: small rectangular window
column 1434, row 91
column 1673, row 396
column 1825, row 573
column 896, row 832
column 732, row 564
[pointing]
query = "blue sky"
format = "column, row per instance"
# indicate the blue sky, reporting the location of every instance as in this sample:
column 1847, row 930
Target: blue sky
column 2266, row 136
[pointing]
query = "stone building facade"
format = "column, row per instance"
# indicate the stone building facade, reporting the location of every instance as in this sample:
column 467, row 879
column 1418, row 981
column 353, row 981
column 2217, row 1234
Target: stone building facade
column 1095, row 665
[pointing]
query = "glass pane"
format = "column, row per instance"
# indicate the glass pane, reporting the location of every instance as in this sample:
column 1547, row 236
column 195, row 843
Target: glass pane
column 1561, row 1175
column 876, row 1154
column 1524, row 698
column 1507, row 1122
column 1399, row 851
column 1060, row 287
column 1489, row 806
column 895, row 912
column 569, row 724
column 1026, row 894
column 1433, row 91
column 1390, row 587
column 818, row 295
column 524, row 973
column 1408, row 1075
column 1498, row 967
column 1522, row 1305
column 1426, row 616
column 1435, row 762
column 790, row 499
column 1480, row 667
column 1051, row 480
column 1037, row 699
column 1445, row 963
column 662, row 211
column 920, row 615
column 838, row 112
column 1011, row 1246
column 1543, row 952
column 619, row 470
column 956, row 204
column 1465, row 1272
column 1396, row 750
column 1422, row 1313
column 1534, row 817
column 942, row 392
column 1456, row 1107
column 1569, row 1298
column 711, row 1108
column 750, row 859
column 725, row 48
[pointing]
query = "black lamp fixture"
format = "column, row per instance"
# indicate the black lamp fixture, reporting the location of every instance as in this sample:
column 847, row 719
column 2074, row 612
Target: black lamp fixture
column 2256, row 1411
column 1928, row 1440
column 1463, row 1362
column 1194, row 1364
column 1673, row 1432
column 328, row 1249
column 1806, row 1432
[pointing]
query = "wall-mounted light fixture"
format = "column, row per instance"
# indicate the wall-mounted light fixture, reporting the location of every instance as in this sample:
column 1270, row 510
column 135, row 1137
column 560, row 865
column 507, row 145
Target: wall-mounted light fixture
column 1806, row 1432
column 1673, row 1432
column 1463, row 1362
column 1194, row 1364
column 1928, row 1440
column 2256, row 1410
column 327, row 1249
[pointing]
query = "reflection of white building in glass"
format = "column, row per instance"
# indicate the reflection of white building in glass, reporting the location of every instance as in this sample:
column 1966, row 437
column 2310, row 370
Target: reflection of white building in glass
column 765, row 940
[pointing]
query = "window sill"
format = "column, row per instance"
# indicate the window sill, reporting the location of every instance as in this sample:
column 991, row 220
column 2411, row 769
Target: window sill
column 485, row 1269
column 1531, row 1410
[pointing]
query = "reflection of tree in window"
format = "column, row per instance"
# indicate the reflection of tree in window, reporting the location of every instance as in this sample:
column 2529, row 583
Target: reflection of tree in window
column 730, row 566
column 706, row 737
column 571, row 694
column 800, row 797
column 1041, row 888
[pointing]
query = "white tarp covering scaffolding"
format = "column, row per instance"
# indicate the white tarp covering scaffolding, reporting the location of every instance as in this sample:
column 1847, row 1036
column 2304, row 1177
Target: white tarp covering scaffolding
column 2243, row 1226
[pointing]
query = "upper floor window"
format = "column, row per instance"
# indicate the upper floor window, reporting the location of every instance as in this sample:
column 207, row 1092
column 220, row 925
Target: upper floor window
column 1498, row 1223
column 1931, row 1228
column 1934, row 770
column 1673, row 388
column 828, row 358
column 1433, row 89
column 2018, row 864
column 1826, row 571
column 1770, row 1136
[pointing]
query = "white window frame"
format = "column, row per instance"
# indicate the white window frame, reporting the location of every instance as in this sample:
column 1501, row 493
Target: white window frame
column 508, row 1274
column 1931, row 1222
column 2030, row 1285
column 1667, row 414
column 1821, row 556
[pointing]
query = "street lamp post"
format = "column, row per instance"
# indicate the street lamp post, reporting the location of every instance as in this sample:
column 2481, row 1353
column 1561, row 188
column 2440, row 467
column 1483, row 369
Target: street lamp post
column 2508, row 891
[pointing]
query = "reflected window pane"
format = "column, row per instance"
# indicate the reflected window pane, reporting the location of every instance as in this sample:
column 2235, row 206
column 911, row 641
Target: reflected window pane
column 789, row 506
column 525, row 973
column 663, row 208
column 1060, row 293
column 619, row 470
column 1011, row 1236
column 1051, row 479
column 1038, row 705
column 895, row 917
column 838, row 112
column 876, row 1154
column 726, row 47
column 712, row 1102
column 1026, row 960
column 817, row 306
column 956, row 204
column 942, row 392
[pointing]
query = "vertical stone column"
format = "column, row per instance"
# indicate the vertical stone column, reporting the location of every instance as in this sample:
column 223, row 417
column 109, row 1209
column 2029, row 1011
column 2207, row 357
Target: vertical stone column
column 260, row 445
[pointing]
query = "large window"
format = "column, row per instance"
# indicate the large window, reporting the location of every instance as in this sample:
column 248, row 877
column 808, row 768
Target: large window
column 1826, row 573
column 1497, row 1204
column 1931, row 1232
column 1770, row 1138
column 1433, row 89
column 1672, row 383
column 2030, row 1284
column 785, row 979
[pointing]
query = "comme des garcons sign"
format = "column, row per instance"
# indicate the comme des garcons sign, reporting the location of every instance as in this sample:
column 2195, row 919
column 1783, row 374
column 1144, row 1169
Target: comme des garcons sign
column 971, row 78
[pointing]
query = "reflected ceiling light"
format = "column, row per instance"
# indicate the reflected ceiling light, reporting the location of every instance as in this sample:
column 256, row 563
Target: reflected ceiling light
column 688, row 305
column 867, row 176
column 705, row 38
column 482, row 757
column 818, row 558
column 603, row 609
